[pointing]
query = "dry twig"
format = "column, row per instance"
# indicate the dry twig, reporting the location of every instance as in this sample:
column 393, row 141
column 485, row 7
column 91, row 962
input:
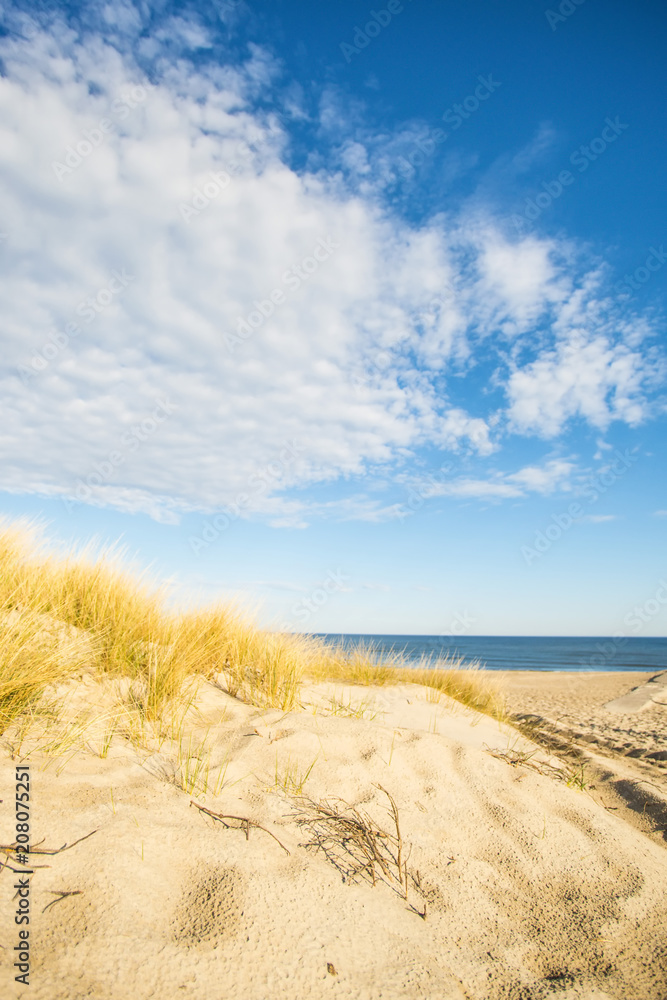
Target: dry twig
column 37, row 850
column 247, row 823
column 61, row 896
column 354, row 843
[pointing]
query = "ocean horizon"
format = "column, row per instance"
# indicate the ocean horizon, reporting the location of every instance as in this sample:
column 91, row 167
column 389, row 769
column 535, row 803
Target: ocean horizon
column 555, row 653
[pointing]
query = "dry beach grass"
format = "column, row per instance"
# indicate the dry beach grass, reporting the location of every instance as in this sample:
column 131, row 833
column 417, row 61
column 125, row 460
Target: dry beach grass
column 116, row 625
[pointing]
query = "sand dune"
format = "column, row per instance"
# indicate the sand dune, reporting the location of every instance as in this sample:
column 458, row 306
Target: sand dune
column 530, row 887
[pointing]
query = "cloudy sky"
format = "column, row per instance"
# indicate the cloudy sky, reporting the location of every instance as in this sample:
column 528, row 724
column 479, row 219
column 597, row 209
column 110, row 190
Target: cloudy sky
column 353, row 314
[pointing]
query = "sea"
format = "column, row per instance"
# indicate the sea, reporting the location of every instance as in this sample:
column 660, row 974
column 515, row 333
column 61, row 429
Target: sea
column 506, row 652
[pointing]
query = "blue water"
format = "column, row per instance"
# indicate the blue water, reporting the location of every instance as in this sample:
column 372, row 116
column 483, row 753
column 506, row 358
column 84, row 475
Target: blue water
column 503, row 652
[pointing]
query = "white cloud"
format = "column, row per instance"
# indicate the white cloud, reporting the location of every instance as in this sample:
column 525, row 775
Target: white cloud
column 551, row 477
column 583, row 376
column 424, row 295
column 121, row 15
column 520, row 279
column 600, row 368
column 482, row 489
column 458, row 425
column 597, row 518
column 554, row 474
column 189, row 285
column 187, row 33
column 297, row 514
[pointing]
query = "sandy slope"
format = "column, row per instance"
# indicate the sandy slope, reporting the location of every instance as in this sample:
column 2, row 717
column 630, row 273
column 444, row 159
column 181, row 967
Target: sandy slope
column 532, row 888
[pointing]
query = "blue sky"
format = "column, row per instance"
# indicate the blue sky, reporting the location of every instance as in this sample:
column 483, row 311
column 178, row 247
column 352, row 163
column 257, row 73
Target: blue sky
column 353, row 314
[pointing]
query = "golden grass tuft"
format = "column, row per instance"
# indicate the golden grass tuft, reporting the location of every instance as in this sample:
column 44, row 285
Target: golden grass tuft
column 468, row 684
column 31, row 658
column 61, row 613
column 465, row 682
column 129, row 632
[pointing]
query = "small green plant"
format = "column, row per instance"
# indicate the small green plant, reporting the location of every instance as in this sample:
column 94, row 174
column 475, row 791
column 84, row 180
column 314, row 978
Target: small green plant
column 15, row 737
column 222, row 771
column 364, row 710
column 103, row 744
column 391, row 749
column 576, row 778
column 58, row 740
column 193, row 765
column 135, row 728
column 43, row 730
column 107, row 738
column 291, row 779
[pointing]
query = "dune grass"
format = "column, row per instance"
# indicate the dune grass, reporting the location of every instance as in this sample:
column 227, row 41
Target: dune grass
column 30, row 660
column 466, row 682
column 61, row 613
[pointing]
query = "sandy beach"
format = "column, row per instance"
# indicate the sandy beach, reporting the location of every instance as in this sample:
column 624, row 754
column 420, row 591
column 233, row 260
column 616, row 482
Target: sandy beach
column 522, row 874
column 614, row 724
